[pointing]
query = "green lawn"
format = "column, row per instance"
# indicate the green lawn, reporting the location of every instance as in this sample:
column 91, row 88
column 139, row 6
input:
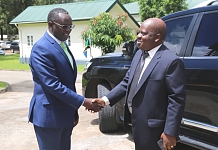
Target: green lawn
column 12, row 62
column 2, row 84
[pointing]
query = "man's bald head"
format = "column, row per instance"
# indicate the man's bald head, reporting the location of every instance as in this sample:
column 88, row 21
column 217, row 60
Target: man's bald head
column 152, row 33
column 158, row 26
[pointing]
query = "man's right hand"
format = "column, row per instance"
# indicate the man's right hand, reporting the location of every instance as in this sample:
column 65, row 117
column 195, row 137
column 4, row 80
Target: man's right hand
column 91, row 106
column 99, row 101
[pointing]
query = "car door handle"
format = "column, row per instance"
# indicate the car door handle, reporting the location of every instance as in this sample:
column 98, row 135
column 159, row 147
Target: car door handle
column 126, row 67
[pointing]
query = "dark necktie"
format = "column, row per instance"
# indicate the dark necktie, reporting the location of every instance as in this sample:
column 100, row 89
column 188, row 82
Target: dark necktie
column 136, row 79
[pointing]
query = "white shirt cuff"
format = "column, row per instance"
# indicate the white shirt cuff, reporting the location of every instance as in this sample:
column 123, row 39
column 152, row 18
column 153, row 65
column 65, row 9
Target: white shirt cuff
column 106, row 100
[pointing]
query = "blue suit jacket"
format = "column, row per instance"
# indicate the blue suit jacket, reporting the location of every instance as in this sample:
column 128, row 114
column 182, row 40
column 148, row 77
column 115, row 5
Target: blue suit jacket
column 159, row 100
column 54, row 103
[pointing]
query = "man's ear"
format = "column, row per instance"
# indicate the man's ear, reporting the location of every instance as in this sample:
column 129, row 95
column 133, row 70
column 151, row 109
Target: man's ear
column 50, row 23
column 157, row 38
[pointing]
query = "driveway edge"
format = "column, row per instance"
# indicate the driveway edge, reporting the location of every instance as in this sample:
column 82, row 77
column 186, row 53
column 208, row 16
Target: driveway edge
column 7, row 88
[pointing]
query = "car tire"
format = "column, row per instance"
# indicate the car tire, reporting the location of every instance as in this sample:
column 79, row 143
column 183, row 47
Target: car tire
column 107, row 116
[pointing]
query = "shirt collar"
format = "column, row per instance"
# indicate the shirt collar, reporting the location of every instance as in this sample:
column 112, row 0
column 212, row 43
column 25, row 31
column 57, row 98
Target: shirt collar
column 153, row 51
column 58, row 41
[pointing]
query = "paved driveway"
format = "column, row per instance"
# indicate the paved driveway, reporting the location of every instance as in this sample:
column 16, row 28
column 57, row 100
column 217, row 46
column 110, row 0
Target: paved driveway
column 17, row 134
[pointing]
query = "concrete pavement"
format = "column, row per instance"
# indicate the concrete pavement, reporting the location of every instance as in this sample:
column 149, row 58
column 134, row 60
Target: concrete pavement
column 17, row 134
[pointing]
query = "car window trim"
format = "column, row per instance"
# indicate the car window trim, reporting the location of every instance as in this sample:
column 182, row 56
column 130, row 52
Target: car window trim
column 200, row 125
column 182, row 52
column 195, row 31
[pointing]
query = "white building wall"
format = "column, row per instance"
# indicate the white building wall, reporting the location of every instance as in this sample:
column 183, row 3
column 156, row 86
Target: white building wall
column 77, row 46
column 36, row 30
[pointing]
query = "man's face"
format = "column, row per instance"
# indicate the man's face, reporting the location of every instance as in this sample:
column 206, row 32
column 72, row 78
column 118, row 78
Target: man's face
column 146, row 36
column 61, row 28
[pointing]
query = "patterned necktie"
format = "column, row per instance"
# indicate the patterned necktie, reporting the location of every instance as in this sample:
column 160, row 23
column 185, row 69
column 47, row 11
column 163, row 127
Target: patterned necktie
column 64, row 47
column 136, row 79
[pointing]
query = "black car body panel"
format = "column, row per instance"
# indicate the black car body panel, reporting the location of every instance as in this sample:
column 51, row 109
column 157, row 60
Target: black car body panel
column 14, row 46
column 193, row 36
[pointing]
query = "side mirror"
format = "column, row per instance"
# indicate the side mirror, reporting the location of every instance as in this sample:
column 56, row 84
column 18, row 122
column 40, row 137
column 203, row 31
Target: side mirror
column 130, row 48
column 124, row 49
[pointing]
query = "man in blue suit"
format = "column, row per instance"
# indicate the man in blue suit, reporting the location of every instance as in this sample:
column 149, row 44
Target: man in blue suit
column 54, row 105
column 156, row 105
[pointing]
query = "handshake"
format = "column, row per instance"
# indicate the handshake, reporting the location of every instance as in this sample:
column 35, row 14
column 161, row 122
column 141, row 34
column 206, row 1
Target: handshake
column 94, row 104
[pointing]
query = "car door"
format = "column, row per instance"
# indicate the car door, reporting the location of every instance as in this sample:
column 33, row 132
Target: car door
column 194, row 38
column 201, row 63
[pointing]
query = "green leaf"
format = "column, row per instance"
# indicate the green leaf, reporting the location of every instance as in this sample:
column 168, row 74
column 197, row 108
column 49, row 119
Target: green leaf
column 107, row 32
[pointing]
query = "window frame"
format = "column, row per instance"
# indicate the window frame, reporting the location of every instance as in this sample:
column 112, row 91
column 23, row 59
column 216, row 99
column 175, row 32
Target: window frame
column 183, row 48
column 29, row 40
column 194, row 36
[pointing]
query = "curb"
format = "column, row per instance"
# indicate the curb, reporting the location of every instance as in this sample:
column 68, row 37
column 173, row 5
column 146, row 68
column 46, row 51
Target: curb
column 7, row 88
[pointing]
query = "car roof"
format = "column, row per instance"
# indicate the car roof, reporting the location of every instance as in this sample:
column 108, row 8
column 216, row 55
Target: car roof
column 15, row 41
column 206, row 3
column 191, row 11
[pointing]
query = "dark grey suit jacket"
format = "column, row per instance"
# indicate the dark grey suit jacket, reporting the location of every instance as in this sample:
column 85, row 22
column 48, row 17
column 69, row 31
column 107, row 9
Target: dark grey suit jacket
column 159, row 100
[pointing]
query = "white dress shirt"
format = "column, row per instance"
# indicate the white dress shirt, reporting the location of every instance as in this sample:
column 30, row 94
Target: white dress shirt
column 147, row 61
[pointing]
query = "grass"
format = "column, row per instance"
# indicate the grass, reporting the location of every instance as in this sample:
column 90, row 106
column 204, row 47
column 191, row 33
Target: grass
column 2, row 85
column 12, row 62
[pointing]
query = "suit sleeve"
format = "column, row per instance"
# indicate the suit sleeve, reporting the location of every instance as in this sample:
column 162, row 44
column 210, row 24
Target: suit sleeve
column 42, row 63
column 117, row 93
column 175, row 83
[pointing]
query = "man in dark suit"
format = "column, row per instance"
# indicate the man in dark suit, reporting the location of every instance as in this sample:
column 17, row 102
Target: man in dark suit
column 155, row 102
column 54, row 105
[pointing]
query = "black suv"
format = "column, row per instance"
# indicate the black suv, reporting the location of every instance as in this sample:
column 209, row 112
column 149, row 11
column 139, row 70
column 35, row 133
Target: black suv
column 15, row 46
column 193, row 36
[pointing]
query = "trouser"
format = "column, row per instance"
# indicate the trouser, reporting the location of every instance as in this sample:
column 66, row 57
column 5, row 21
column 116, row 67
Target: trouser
column 53, row 138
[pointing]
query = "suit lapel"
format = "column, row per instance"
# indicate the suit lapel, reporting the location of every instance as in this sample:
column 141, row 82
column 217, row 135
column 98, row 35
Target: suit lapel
column 151, row 66
column 58, row 47
column 74, row 62
column 134, row 66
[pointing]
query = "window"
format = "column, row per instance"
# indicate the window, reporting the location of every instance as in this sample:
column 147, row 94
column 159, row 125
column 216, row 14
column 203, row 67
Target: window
column 68, row 41
column 206, row 42
column 176, row 31
column 29, row 40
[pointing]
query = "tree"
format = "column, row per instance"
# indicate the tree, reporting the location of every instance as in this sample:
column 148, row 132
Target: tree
column 107, row 32
column 9, row 9
column 160, row 8
column 127, row 1
column 48, row 2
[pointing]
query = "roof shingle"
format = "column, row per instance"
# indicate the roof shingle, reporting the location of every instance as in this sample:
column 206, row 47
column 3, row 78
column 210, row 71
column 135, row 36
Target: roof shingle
column 77, row 10
column 133, row 8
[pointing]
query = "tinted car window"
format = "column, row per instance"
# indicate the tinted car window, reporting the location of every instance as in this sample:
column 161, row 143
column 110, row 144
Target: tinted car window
column 14, row 43
column 206, row 43
column 176, row 31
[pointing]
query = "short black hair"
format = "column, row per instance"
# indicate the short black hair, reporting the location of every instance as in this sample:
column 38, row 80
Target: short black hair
column 53, row 14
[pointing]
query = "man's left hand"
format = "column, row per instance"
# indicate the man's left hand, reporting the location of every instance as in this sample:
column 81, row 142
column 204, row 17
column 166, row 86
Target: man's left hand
column 169, row 142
